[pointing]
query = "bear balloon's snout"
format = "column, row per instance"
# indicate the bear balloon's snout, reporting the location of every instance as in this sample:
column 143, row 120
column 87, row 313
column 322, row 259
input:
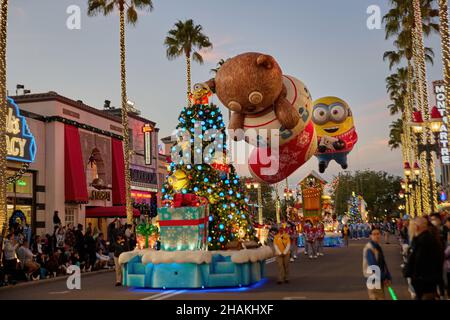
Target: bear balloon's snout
column 255, row 97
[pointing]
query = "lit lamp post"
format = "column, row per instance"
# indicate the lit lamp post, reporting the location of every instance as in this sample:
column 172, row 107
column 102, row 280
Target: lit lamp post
column 257, row 186
column 418, row 126
column 408, row 187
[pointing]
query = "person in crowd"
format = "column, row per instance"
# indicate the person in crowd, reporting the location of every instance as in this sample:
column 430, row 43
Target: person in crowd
column 112, row 231
column 386, row 230
column 102, row 259
column 373, row 257
column 56, row 219
column 446, row 227
column 101, row 244
column 9, row 257
column 60, row 238
column 132, row 241
column 320, row 238
column 79, row 243
column 119, row 247
column 282, row 245
column 53, row 265
column 128, row 231
column 438, row 228
column 346, row 234
column 70, row 238
column 89, row 229
column 26, row 259
column 425, row 262
column 447, row 264
column 90, row 247
column 404, row 232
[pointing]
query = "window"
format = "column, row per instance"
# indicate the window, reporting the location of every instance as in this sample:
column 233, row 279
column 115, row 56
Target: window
column 23, row 186
column 70, row 215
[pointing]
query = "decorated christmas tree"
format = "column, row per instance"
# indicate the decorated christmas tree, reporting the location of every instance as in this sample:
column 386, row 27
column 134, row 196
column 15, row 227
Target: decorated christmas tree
column 354, row 213
column 200, row 166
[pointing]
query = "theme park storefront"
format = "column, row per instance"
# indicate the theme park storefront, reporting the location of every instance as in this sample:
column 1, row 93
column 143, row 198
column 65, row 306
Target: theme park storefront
column 78, row 169
column 23, row 169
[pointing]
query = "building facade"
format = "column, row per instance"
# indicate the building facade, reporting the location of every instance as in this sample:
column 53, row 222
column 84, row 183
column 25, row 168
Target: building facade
column 78, row 169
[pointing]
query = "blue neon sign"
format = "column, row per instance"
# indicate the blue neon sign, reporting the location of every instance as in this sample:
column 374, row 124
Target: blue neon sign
column 20, row 142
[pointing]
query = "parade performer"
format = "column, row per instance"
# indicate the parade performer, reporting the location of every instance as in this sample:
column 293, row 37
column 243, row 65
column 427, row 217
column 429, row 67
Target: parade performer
column 336, row 134
column 294, row 240
column 345, row 234
column 320, row 237
column 311, row 238
column 282, row 245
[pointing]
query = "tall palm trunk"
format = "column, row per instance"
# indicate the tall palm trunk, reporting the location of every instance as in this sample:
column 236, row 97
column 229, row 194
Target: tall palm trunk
column 445, row 44
column 188, row 77
column 126, row 140
column 3, row 108
column 427, row 164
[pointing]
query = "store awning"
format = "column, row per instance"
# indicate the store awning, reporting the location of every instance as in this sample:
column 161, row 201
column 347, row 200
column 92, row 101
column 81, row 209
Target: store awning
column 75, row 186
column 109, row 212
column 118, row 172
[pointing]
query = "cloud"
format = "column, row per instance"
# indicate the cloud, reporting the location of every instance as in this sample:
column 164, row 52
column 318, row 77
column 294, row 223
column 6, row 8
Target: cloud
column 18, row 12
column 219, row 50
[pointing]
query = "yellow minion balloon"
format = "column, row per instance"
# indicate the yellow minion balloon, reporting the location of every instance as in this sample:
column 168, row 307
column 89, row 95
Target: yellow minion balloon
column 336, row 134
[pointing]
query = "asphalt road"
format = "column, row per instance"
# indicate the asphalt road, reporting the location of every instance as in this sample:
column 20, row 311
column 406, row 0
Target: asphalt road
column 335, row 276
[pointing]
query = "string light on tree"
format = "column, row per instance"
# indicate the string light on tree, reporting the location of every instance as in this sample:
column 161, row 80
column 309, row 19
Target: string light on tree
column 3, row 110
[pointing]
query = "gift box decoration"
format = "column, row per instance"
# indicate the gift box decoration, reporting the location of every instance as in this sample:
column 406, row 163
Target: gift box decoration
column 183, row 228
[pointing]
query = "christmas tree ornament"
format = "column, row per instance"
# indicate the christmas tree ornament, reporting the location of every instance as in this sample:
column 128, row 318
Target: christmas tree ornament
column 178, row 180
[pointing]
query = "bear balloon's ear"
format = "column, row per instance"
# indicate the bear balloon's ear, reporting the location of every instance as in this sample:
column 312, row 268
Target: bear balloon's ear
column 265, row 61
column 211, row 83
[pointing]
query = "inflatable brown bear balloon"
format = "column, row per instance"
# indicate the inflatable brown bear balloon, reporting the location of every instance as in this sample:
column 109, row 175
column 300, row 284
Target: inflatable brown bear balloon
column 251, row 84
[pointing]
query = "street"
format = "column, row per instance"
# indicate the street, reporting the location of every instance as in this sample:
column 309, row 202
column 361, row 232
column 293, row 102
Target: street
column 335, row 276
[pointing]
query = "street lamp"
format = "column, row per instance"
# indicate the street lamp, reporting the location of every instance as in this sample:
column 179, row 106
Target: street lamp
column 257, row 186
column 434, row 125
column 407, row 169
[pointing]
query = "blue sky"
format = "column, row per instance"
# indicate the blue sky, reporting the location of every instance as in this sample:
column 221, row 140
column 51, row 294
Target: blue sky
column 325, row 43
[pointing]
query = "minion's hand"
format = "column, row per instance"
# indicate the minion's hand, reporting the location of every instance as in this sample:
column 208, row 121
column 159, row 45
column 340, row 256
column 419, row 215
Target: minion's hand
column 322, row 148
column 339, row 145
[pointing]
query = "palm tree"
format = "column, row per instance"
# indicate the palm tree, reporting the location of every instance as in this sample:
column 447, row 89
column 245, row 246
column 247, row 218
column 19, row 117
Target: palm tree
column 445, row 44
column 186, row 39
column 397, row 86
column 218, row 66
column 395, row 134
column 106, row 7
column 3, row 113
column 399, row 23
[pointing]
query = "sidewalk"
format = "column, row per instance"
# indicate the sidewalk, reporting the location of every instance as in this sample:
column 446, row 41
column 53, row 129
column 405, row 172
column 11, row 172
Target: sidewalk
column 59, row 278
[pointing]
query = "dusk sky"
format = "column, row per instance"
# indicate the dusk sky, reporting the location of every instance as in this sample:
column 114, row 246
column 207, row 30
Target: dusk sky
column 325, row 43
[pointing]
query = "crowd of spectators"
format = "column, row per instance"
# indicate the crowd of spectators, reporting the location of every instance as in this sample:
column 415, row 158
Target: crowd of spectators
column 41, row 257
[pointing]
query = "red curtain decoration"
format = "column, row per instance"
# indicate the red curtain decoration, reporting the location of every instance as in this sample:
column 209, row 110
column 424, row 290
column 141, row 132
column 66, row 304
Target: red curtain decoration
column 118, row 173
column 75, row 184
column 109, row 212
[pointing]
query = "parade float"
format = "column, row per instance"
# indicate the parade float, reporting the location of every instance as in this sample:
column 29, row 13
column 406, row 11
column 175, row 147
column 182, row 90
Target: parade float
column 315, row 208
column 206, row 234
